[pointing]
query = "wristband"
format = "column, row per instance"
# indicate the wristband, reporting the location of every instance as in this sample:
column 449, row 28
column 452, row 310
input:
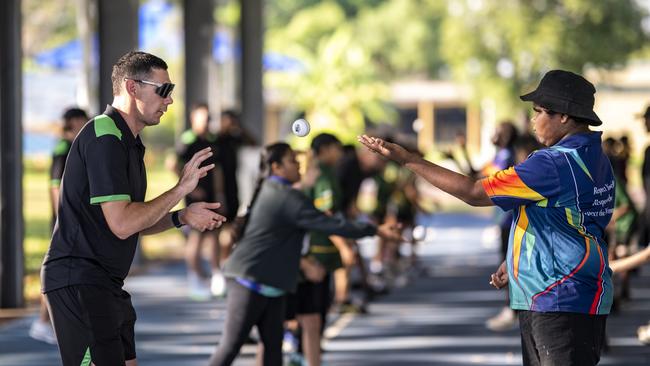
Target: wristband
column 176, row 220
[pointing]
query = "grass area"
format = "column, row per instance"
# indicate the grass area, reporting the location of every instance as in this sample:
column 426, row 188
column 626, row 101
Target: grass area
column 37, row 211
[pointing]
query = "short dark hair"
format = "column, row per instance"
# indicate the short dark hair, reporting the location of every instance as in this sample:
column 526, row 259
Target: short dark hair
column 579, row 120
column 231, row 113
column 136, row 65
column 323, row 140
column 70, row 114
column 74, row 112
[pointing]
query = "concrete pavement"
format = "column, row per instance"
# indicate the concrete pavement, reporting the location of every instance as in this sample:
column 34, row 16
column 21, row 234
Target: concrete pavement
column 436, row 319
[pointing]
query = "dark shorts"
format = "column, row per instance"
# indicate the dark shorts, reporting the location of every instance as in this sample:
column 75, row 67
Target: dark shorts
column 567, row 339
column 309, row 298
column 94, row 320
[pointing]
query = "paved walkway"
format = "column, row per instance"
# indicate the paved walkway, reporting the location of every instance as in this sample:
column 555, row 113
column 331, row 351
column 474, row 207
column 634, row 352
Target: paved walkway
column 437, row 319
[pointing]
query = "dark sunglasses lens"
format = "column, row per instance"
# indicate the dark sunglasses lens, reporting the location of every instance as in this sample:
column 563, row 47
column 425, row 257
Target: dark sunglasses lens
column 165, row 90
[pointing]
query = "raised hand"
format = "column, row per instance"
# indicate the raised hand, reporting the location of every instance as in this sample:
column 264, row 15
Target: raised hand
column 386, row 149
column 192, row 171
column 201, row 216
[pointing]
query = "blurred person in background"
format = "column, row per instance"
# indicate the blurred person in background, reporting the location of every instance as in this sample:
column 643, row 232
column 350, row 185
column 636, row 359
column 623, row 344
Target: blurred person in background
column 644, row 234
column 230, row 138
column 370, row 204
column 102, row 214
column 624, row 153
column 355, row 166
column 73, row 120
column 333, row 252
column 401, row 208
column 625, row 265
column 264, row 264
column 504, row 138
column 209, row 189
column 557, row 266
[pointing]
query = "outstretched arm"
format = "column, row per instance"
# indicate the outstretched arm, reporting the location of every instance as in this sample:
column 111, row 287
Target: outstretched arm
column 631, row 262
column 460, row 186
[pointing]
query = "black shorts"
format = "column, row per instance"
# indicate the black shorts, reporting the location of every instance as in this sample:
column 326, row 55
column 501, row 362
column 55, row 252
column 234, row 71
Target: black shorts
column 567, row 339
column 309, row 298
column 93, row 321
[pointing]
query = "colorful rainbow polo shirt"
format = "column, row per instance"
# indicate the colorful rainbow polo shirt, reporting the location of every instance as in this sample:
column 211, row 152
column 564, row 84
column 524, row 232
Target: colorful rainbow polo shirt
column 562, row 198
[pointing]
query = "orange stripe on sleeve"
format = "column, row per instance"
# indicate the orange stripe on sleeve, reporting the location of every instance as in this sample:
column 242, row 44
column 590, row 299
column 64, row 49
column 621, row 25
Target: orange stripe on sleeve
column 507, row 183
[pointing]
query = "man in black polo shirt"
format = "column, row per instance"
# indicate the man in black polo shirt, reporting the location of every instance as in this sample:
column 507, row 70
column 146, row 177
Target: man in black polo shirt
column 102, row 212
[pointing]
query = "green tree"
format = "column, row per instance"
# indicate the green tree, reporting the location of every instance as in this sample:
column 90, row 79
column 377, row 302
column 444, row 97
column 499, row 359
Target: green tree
column 403, row 37
column 42, row 30
column 281, row 12
column 338, row 87
column 502, row 48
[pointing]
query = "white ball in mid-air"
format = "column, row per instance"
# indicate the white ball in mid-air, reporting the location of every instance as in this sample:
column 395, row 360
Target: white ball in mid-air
column 300, row 127
column 419, row 233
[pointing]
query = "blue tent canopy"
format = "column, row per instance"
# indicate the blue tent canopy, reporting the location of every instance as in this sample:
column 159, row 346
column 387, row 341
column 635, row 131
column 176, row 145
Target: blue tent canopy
column 152, row 17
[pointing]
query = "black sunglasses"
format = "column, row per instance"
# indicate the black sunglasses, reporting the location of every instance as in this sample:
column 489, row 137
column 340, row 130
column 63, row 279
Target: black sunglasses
column 164, row 89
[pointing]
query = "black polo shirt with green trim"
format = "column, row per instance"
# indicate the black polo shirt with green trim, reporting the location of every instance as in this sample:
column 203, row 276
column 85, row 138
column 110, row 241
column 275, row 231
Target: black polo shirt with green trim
column 105, row 163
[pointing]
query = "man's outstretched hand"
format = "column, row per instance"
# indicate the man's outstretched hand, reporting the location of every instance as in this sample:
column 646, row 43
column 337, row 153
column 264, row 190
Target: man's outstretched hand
column 386, row 149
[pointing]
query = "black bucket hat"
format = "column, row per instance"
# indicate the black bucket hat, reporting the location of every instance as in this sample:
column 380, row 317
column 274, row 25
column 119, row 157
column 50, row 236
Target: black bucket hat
column 565, row 92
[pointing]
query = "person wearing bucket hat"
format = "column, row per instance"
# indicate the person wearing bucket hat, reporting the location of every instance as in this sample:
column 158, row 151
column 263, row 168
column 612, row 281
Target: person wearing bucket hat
column 568, row 93
column 562, row 198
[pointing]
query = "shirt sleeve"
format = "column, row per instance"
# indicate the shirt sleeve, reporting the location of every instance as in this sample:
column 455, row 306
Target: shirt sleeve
column 309, row 217
column 56, row 169
column 107, row 165
column 323, row 195
column 534, row 180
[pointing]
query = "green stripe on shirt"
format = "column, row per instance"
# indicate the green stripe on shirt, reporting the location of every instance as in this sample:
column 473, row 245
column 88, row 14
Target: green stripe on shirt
column 104, row 125
column 114, row 197
column 87, row 359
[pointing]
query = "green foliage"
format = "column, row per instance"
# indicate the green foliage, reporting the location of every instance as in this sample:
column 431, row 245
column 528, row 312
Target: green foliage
column 351, row 49
column 402, row 37
column 340, row 87
column 503, row 47
column 228, row 14
column 281, row 12
column 47, row 24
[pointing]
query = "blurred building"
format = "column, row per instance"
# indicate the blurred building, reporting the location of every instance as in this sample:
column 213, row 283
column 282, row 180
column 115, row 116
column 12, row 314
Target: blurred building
column 621, row 96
